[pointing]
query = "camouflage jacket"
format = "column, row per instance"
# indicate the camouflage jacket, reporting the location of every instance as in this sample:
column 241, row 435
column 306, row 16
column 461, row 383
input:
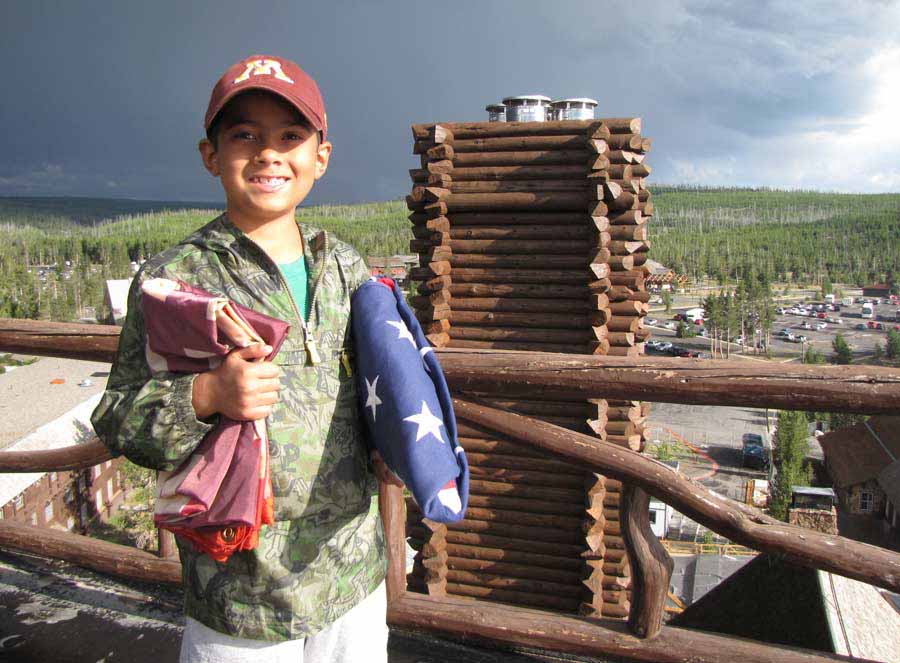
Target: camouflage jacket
column 325, row 553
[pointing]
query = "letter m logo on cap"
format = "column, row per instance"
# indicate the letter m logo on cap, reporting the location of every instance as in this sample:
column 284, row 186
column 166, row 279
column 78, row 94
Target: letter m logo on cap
column 263, row 67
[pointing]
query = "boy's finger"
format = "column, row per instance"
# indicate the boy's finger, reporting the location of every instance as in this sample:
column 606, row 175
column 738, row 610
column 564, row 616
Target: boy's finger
column 255, row 351
column 266, row 386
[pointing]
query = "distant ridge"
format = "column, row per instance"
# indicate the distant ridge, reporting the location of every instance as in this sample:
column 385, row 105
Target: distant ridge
column 88, row 211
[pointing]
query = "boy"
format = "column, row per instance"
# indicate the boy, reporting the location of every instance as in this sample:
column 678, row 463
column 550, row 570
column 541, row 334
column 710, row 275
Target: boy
column 317, row 575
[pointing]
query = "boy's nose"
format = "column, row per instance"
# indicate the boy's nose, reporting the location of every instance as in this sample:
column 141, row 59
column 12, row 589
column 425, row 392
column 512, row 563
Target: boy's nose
column 268, row 155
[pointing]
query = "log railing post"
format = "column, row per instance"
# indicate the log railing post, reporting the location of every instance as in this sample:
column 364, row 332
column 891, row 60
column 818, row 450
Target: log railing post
column 166, row 544
column 651, row 566
column 393, row 517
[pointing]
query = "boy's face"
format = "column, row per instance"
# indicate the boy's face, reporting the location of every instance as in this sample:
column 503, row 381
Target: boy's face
column 267, row 158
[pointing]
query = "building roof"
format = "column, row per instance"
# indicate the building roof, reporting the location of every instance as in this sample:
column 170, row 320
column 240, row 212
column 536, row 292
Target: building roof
column 72, row 427
column 767, row 599
column 859, row 453
column 773, row 600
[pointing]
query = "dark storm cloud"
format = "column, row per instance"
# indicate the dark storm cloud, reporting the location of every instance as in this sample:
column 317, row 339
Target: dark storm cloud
column 107, row 98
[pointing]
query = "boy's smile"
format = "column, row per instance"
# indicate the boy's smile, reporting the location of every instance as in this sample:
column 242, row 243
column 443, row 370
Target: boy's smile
column 267, row 158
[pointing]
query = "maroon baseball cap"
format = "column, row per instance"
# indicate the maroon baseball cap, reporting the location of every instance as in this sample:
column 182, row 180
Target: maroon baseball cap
column 276, row 75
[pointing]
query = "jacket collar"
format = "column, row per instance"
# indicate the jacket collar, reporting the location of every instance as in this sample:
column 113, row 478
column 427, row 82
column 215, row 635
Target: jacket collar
column 223, row 237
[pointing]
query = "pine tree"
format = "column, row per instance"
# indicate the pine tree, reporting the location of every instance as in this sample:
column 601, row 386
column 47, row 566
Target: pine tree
column 892, row 345
column 843, row 354
column 790, row 446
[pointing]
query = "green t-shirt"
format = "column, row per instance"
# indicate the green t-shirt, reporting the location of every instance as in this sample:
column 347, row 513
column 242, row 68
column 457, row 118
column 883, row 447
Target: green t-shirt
column 295, row 275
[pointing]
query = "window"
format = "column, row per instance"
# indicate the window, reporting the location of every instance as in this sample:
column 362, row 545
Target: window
column 48, row 512
column 109, row 489
column 95, row 471
column 20, row 501
column 653, row 517
column 70, row 523
column 100, row 501
column 866, row 501
column 34, row 519
column 53, row 477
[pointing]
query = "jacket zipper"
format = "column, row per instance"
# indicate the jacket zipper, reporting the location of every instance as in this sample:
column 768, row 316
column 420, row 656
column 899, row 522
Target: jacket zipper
column 309, row 342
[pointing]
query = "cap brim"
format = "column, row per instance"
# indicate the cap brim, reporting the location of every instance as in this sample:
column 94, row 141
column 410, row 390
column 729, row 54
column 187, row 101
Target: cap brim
column 302, row 107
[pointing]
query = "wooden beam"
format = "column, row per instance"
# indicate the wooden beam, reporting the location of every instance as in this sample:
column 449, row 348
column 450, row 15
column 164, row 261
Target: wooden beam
column 59, row 339
column 72, row 457
column 863, row 389
column 118, row 560
column 514, row 626
column 466, row 130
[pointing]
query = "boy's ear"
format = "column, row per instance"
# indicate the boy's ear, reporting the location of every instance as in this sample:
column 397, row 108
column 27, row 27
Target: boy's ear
column 322, row 157
column 210, row 156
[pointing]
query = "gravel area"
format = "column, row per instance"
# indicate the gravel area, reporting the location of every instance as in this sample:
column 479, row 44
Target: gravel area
column 28, row 399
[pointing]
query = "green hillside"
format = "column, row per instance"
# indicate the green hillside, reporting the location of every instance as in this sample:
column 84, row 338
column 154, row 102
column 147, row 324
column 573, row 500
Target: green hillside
column 724, row 234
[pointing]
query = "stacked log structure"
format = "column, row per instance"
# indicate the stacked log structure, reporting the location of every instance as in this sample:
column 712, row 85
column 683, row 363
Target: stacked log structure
column 533, row 236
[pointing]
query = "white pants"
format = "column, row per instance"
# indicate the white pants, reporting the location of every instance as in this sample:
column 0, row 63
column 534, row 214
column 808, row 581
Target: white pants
column 360, row 636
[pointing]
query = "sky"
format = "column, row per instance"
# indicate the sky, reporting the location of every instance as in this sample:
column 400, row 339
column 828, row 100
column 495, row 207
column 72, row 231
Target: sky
column 106, row 99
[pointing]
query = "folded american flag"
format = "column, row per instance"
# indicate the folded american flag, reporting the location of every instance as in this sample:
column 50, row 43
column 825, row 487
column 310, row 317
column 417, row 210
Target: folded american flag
column 222, row 494
column 406, row 401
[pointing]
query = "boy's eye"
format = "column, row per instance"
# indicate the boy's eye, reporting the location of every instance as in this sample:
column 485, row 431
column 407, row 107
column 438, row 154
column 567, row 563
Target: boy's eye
column 243, row 135
column 293, row 135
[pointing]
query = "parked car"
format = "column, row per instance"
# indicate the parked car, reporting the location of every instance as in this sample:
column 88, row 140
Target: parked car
column 834, row 321
column 671, row 324
column 665, row 346
column 684, row 352
column 698, row 321
column 860, row 325
column 872, row 324
column 821, row 316
column 805, row 325
column 753, row 452
column 821, row 326
column 651, row 321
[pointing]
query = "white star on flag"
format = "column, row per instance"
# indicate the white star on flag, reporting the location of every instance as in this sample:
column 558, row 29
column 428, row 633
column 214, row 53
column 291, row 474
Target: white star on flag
column 427, row 423
column 402, row 330
column 372, row 399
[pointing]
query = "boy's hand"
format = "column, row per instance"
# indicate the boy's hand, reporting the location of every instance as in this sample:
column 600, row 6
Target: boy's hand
column 383, row 472
column 241, row 388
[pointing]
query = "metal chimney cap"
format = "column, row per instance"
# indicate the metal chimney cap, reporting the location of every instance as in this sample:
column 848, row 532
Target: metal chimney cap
column 585, row 101
column 523, row 100
column 495, row 108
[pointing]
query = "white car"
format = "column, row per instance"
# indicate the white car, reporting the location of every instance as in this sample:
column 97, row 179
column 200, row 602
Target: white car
column 821, row 326
column 651, row 321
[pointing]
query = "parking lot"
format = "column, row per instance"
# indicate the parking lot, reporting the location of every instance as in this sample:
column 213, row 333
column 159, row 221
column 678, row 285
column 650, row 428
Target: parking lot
column 707, row 443
column 805, row 327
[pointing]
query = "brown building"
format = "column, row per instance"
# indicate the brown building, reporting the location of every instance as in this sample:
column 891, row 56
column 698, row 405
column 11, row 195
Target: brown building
column 61, row 500
column 862, row 460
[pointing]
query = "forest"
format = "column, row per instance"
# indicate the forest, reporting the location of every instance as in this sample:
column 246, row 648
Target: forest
column 58, row 252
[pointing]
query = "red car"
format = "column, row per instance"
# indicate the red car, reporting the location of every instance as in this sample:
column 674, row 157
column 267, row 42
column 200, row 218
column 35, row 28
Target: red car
column 871, row 324
column 698, row 321
column 821, row 315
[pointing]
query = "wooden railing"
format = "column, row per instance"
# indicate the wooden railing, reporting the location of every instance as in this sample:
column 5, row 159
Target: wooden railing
column 859, row 389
